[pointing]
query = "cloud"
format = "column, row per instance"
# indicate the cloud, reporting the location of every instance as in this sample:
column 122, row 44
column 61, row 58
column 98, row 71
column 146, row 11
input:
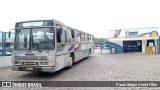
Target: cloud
column 92, row 16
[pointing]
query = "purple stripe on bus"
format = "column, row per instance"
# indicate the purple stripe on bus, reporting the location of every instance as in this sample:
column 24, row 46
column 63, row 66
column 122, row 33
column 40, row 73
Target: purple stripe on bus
column 77, row 48
column 70, row 48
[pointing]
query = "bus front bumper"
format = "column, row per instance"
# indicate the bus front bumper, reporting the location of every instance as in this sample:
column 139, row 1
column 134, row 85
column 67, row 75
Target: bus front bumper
column 33, row 68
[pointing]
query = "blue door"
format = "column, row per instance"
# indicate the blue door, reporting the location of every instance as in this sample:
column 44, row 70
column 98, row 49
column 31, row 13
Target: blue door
column 132, row 46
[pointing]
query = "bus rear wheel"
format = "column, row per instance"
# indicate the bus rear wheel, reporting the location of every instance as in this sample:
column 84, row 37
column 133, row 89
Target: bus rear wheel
column 89, row 53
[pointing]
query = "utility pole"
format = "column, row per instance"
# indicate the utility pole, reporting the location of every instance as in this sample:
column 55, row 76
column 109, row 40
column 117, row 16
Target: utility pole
column 101, row 45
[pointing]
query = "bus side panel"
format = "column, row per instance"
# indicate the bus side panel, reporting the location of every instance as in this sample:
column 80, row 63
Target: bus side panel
column 66, row 60
column 92, row 50
column 91, row 46
column 84, row 46
column 83, row 53
column 78, row 55
column 59, row 62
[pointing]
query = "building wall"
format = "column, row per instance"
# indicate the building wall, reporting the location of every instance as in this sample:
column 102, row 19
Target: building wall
column 118, row 45
column 156, row 44
column 144, row 42
column 116, row 37
column 134, row 32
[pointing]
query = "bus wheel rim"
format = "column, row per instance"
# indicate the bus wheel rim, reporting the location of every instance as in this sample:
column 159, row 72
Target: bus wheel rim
column 70, row 61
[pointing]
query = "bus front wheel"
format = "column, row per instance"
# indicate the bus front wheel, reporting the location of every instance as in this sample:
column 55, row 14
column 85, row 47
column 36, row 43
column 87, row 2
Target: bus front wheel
column 71, row 60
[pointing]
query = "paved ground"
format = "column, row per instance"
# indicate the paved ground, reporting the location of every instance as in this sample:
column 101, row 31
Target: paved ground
column 99, row 67
column 5, row 61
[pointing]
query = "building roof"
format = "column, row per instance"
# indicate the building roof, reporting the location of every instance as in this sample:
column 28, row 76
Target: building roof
column 135, row 38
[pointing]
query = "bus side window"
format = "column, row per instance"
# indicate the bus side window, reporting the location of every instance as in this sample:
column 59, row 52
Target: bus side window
column 92, row 37
column 77, row 36
column 72, row 33
column 88, row 38
column 61, row 38
column 58, row 37
column 68, row 34
column 65, row 37
column 82, row 37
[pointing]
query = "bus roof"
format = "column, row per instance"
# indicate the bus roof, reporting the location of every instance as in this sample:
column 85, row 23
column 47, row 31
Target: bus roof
column 57, row 22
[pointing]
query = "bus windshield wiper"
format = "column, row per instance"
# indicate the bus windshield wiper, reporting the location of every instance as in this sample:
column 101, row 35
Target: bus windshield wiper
column 39, row 50
column 36, row 47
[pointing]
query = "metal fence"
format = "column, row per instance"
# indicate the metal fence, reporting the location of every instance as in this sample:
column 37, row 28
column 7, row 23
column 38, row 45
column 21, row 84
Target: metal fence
column 6, row 43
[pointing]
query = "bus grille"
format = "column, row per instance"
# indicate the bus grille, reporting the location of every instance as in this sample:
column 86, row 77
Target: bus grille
column 29, row 63
column 30, row 57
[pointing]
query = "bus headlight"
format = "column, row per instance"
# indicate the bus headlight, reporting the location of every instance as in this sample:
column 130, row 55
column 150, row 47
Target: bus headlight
column 49, row 63
column 16, row 62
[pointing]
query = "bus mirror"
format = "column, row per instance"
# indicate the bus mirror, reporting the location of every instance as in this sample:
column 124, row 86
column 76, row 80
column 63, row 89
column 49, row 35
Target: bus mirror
column 9, row 34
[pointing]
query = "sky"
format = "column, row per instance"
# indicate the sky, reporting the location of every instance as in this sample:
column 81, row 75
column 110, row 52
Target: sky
column 92, row 16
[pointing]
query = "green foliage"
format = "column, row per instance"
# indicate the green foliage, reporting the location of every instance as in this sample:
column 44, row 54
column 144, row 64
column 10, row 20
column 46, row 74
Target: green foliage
column 98, row 40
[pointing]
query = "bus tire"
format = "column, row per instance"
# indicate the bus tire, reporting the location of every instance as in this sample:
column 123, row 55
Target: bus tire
column 71, row 60
column 89, row 53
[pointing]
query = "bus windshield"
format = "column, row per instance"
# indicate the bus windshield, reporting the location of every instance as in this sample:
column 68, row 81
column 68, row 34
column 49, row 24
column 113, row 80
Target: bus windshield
column 34, row 39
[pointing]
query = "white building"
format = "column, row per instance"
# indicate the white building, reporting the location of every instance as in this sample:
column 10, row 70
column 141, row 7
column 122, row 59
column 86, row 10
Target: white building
column 145, row 40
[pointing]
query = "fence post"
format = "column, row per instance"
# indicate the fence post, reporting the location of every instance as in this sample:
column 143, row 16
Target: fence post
column 4, row 43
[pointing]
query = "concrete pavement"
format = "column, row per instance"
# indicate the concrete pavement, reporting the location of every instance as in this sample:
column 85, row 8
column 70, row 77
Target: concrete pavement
column 99, row 67
column 5, row 61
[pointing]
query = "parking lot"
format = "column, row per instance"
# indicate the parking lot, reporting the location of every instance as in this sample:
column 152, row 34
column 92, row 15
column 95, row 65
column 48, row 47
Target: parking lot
column 99, row 67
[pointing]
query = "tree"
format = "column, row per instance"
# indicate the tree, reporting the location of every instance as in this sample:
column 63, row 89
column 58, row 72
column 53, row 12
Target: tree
column 98, row 40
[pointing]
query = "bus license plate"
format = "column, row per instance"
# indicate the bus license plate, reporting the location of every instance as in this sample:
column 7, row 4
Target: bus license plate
column 29, row 68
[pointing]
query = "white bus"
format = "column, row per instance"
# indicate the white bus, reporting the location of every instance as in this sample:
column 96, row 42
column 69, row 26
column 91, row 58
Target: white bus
column 48, row 46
